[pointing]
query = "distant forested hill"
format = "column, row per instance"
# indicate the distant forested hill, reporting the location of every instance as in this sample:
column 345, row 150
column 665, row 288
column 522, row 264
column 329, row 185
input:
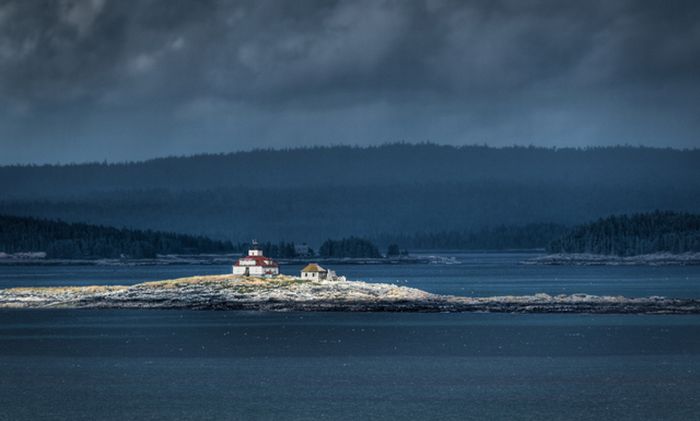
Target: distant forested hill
column 385, row 165
column 532, row 236
column 310, row 194
column 634, row 235
column 63, row 240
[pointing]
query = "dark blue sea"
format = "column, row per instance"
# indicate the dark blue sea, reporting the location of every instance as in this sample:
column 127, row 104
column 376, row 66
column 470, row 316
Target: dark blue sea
column 156, row 364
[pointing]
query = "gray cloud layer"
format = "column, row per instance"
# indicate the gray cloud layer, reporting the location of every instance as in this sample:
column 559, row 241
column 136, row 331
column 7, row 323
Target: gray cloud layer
column 107, row 79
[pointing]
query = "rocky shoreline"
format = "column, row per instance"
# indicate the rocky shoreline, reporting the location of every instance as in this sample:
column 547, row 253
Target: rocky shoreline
column 286, row 293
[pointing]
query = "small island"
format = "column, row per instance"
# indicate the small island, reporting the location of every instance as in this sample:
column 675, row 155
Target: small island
column 314, row 293
column 256, row 283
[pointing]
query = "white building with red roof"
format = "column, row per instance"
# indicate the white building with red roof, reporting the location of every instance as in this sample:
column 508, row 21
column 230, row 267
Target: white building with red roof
column 255, row 264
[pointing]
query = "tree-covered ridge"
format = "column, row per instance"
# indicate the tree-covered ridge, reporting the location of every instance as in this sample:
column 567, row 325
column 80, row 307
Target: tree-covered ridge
column 76, row 240
column 387, row 165
column 310, row 194
column 349, row 247
column 633, row 235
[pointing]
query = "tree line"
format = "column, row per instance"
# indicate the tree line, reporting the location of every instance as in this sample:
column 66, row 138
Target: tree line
column 617, row 235
column 630, row 235
column 349, row 247
column 389, row 164
column 282, row 249
column 63, row 240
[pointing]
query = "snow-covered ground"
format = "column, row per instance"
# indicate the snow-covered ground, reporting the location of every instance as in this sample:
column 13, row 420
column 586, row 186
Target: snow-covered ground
column 286, row 293
column 656, row 259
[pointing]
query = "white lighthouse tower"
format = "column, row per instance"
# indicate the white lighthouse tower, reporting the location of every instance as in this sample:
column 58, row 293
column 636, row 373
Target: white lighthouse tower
column 255, row 264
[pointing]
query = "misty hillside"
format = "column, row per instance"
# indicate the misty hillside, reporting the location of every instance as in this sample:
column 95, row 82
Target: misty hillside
column 359, row 166
column 310, row 194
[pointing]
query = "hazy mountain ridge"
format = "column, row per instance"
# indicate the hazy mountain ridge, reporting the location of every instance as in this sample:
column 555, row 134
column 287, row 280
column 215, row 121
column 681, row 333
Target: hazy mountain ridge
column 313, row 215
column 353, row 166
column 311, row 194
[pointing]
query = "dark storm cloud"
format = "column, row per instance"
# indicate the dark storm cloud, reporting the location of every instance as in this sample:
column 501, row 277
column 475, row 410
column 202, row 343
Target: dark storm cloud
column 182, row 76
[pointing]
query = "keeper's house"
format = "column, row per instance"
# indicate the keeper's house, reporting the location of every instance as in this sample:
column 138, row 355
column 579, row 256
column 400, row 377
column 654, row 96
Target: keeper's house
column 314, row 272
column 255, row 264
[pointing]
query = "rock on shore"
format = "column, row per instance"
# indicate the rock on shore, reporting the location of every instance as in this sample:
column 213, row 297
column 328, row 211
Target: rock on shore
column 286, row 293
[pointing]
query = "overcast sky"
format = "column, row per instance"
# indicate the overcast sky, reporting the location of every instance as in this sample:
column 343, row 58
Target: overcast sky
column 121, row 80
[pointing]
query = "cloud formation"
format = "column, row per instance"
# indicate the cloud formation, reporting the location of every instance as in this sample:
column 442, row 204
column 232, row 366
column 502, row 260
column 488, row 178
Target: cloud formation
column 106, row 79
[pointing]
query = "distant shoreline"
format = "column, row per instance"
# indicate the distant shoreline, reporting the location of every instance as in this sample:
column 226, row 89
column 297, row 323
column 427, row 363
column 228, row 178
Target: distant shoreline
column 583, row 259
column 424, row 257
column 216, row 259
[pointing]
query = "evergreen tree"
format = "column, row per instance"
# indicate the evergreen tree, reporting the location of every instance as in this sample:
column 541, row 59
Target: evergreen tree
column 393, row 250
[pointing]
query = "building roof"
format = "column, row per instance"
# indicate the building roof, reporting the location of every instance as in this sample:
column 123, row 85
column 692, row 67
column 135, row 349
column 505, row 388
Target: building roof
column 313, row 267
column 259, row 261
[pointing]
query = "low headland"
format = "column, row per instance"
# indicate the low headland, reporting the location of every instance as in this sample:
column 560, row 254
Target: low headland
column 288, row 293
column 651, row 239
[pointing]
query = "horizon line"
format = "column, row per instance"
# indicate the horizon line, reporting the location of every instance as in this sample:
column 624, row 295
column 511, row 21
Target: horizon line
column 272, row 149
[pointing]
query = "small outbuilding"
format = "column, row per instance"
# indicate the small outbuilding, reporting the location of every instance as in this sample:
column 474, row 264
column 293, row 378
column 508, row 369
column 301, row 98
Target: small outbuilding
column 314, row 272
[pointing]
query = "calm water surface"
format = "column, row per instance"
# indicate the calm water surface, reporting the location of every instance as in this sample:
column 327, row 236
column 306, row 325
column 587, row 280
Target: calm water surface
column 155, row 364
column 125, row 364
column 477, row 274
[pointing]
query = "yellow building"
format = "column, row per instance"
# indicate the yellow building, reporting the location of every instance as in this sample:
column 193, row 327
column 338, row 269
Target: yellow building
column 313, row 271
